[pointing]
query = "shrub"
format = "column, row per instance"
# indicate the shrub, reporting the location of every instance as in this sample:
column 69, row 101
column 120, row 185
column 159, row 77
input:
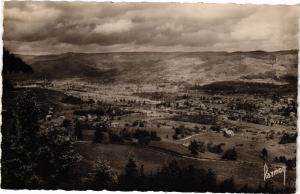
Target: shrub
column 78, row 130
column 114, row 137
column 101, row 133
column 196, row 146
column 264, row 154
column 288, row 138
column 216, row 128
column 154, row 136
column 72, row 100
column 135, row 123
column 144, row 140
column 217, row 149
column 126, row 135
column 290, row 163
column 227, row 185
column 230, row 154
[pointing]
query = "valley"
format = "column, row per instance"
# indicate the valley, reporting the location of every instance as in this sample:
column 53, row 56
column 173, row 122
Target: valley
column 228, row 112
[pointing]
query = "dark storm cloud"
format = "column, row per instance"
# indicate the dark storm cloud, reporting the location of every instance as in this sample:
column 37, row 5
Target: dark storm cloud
column 45, row 27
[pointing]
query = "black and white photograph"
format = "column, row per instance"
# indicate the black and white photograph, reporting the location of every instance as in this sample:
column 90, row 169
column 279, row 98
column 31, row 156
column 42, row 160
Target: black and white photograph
column 149, row 96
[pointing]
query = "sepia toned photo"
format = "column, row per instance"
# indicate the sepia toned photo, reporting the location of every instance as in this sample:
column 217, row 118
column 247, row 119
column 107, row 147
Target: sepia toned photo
column 185, row 97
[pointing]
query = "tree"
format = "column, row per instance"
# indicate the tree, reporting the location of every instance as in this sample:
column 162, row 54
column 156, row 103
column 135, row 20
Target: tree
column 129, row 180
column 144, row 140
column 115, row 137
column 131, row 168
column 211, row 180
column 30, row 158
column 290, row 163
column 196, row 146
column 19, row 143
column 125, row 134
column 230, row 154
column 144, row 137
column 193, row 147
column 66, row 123
column 154, row 137
column 288, row 138
column 227, row 185
column 105, row 176
column 14, row 64
column 78, row 130
column 245, row 189
column 217, row 149
column 101, row 133
column 264, row 154
column 51, row 166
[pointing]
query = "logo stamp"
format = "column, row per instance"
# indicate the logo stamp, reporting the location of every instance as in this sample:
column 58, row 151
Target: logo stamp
column 268, row 174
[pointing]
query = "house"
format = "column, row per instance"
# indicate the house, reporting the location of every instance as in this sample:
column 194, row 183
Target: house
column 227, row 132
column 48, row 117
column 115, row 124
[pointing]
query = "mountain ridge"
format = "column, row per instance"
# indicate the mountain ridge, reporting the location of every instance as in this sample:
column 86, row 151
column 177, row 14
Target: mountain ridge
column 188, row 67
column 228, row 52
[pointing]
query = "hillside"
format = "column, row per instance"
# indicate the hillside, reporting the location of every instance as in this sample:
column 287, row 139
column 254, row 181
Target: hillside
column 193, row 67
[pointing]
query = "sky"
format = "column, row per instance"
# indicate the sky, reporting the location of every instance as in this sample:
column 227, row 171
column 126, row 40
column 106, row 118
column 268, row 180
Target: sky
column 59, row 27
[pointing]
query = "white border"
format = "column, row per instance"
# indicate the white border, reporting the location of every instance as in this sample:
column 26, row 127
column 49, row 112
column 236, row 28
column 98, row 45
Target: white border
column 259, row 2
column 269, row 2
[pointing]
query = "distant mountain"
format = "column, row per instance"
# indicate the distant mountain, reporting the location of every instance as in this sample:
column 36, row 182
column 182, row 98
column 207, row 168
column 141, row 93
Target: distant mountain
column 187, row 67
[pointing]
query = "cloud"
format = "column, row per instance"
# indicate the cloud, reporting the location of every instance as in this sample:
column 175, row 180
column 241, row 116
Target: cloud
column 41, row 27
column 118, row 26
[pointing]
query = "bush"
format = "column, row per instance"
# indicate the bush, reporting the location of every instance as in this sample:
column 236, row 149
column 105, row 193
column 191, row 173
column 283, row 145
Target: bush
column 78, row 130
column 154, row 136
column 216, row 128
column 72, row 100
column 288, row 138
column 196, row 146
column 227, row 185
column 264, row 154
column 138, row 124
column 144, row 140
column 230, row 154
column 125, row 134
column 115, row 137
column 66, row 123
column 217, row 149
column 174, row 136
column 290, row 163
column 101, row 134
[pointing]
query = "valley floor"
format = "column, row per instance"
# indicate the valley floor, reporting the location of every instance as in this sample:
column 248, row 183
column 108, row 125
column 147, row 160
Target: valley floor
column 179, row 115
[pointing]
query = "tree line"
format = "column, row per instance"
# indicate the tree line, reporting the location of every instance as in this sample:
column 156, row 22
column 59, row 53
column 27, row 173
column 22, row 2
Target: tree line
column 173, row 176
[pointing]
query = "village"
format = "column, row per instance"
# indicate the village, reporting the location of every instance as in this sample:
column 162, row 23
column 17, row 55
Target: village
column 179, row 120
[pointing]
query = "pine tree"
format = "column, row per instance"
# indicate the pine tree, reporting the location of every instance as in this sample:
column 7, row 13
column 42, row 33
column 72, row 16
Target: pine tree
column 78, row 130
column 129, row 180
column 105, row 177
